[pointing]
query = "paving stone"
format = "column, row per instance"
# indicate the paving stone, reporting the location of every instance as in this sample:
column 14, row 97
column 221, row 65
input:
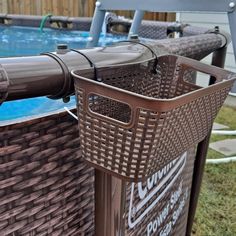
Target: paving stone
column 226, row 147
column 231, row 100
column 219, row 126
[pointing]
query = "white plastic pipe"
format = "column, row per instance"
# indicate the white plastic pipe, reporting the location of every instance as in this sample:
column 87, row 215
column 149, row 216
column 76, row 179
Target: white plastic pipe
column 226, row 159
column 221, row 160
column 224, row 132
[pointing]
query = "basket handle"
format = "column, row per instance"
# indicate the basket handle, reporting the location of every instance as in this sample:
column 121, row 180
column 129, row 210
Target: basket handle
column 96, row 88
column 186, row 63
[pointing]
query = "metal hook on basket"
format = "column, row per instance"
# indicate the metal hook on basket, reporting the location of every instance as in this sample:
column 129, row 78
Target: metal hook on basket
column 92, row 64
column 146, row 46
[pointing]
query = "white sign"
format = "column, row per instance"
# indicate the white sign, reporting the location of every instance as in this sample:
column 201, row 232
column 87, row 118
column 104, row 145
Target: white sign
column 151, row 192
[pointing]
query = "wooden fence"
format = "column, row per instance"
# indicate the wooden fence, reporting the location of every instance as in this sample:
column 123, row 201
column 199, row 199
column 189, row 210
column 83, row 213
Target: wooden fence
column 66, row 8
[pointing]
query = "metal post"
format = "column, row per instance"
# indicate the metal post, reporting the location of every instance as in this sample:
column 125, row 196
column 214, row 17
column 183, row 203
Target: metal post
column 219, row 56
column 138, row 16
column 109, row 205
column 232, row 23
column 96, row 26
column 218, row 59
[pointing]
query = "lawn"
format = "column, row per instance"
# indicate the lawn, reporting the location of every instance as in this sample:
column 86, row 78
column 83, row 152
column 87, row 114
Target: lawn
column 216, row 212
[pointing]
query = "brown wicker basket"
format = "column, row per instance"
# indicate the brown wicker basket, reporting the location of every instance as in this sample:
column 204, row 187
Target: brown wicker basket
column 138, row 120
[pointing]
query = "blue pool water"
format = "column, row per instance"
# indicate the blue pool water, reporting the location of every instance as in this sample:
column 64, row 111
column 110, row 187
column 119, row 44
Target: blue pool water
column 26, row 41
column 29, row 41
column 26, row 108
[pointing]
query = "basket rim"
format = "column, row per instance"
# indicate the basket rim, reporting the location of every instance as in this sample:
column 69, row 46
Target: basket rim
column 151, row 103
column 110, row 66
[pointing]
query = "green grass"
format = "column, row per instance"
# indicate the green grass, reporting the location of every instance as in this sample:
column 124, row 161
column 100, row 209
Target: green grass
column 216, row 212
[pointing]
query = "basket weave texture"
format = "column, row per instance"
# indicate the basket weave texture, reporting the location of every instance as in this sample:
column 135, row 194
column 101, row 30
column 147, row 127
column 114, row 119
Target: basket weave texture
column 45, row 186
column 137, row 121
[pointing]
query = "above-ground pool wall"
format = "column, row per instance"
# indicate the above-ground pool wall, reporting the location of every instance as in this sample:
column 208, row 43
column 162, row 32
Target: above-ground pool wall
column 74, row 23
column 45, row 187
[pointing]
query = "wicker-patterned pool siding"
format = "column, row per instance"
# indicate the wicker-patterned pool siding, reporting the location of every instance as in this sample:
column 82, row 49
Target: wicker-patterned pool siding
column 45, row 187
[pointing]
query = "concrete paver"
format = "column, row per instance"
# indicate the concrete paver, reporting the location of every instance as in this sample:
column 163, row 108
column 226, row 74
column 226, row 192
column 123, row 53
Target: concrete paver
column 217, row 126
column 226, row 147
